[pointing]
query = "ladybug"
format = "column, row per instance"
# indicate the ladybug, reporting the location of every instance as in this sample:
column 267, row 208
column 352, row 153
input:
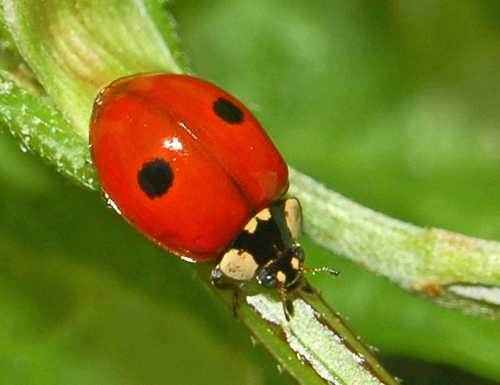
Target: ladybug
column 189, row 166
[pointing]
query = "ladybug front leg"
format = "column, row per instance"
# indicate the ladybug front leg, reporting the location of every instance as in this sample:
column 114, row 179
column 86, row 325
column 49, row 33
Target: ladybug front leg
column 218, row 281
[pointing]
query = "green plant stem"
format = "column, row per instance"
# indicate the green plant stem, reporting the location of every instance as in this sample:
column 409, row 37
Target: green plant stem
column 454, row 270
column 316, row 337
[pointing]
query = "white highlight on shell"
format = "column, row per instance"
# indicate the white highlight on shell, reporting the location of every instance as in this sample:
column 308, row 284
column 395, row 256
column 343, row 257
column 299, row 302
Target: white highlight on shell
column 173, row 144
column 112, row 204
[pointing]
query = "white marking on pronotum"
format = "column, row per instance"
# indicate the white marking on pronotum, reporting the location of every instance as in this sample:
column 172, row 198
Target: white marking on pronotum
column 263, row 215
column 293, row 216
column 240, row 266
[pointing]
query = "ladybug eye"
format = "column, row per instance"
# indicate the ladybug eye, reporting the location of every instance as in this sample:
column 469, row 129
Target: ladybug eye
column 228, row 111
column 155, row 178
column 268, row 278
column 299, row 253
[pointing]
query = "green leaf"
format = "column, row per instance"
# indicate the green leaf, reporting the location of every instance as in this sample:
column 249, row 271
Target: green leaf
column 72, row 53
column 42, row 128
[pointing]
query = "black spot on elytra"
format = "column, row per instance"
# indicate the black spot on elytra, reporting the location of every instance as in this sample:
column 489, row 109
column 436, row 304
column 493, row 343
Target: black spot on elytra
column 155, row 178
column 228, row 111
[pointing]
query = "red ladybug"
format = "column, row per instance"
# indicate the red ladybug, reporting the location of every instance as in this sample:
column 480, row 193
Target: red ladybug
column 190, row 167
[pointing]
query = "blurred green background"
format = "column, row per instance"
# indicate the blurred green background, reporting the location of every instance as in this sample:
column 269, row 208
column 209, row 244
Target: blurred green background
column 394, row 104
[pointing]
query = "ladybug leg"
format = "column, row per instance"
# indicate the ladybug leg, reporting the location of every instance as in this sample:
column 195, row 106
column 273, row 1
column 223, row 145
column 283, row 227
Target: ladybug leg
column 219, row 283
column 306, row 287
column 236, row 303
column 287, row 305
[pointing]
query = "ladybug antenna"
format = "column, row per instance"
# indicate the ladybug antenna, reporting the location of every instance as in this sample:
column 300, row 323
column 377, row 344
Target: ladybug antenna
column 325, row 269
